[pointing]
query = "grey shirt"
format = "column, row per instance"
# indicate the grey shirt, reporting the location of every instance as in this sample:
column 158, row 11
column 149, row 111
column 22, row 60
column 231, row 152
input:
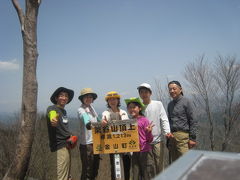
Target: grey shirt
column 181, row 117
column 58, row 135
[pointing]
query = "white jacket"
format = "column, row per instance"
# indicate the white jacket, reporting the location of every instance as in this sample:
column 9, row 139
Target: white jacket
column 156, row 113
column 110, row 115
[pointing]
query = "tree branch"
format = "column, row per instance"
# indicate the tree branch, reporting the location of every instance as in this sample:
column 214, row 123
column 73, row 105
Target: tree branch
column 19, row 12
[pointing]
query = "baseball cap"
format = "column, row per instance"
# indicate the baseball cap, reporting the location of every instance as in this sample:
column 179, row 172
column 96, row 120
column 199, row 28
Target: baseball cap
column 145, row 85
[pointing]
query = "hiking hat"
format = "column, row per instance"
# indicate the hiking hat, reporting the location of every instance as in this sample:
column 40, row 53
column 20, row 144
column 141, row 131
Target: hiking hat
column 86, row 91
column 58, row 91
column 145, row 85
column 112, row 94
column 134, row 100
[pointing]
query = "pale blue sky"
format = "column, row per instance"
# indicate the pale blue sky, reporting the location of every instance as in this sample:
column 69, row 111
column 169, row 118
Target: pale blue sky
column 114, row 44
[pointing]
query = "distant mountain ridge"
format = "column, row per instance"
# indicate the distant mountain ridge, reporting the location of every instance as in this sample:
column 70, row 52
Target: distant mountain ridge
column 8, row 118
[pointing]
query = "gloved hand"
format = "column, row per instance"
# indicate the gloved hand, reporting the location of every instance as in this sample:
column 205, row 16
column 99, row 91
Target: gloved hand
column 72, row 142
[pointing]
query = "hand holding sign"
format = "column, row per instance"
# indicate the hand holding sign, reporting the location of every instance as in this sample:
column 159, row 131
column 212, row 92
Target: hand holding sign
column 104, row 121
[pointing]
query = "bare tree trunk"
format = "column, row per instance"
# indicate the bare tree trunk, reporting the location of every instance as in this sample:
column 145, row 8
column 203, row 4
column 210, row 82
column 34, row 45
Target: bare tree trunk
column 227, row 77
column 211, row 132
column 199, row 76
column 160, row 93
column 28, row 23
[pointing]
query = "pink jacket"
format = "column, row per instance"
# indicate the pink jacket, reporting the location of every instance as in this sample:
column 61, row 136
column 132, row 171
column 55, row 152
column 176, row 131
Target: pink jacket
column 145, row 137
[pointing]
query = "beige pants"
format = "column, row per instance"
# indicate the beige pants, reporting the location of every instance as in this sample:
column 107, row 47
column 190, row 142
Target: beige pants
column 178, row 145
column 63, row 164
column 157, row 151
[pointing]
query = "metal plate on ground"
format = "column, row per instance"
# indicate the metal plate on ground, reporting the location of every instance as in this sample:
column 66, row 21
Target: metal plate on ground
column 204, row 165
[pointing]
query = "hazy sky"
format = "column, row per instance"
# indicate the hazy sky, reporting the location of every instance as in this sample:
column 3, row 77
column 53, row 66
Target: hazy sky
column 114, row 45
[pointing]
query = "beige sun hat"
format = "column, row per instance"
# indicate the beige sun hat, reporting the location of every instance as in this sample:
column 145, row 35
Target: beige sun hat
column 86, row 91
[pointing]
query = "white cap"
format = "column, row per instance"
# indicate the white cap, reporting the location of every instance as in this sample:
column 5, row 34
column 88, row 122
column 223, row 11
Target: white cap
column 145, row 85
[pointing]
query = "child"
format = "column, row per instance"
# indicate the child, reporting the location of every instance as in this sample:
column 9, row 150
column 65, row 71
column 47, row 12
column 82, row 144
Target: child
column 115, row 113
column 142, row 162
column 87, row 115
column 155, row 112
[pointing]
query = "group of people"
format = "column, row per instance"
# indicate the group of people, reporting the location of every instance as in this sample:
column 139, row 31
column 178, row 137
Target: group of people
column 177, row 125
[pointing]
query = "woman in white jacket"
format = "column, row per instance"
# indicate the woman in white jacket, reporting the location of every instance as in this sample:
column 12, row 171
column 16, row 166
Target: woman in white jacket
column 86, row 116
column 114, row 113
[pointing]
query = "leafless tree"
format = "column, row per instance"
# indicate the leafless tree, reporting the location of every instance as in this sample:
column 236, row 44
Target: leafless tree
column 28, row 23
column 161, row 92
column 199, row 76
column 215, row 89
column 234, row 138
column 227, row 76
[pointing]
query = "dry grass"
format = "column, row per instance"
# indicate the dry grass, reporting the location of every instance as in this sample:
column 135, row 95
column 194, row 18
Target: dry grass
column 76, row 167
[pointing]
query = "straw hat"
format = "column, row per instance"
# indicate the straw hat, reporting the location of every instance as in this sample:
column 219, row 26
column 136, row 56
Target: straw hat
column 86, row 91
column 112, row 94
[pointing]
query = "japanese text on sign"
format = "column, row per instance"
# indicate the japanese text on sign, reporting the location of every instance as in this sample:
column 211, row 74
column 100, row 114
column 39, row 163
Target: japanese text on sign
column 116, row 137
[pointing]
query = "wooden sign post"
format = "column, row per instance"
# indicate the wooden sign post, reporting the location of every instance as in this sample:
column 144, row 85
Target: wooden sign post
column 116, row 137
